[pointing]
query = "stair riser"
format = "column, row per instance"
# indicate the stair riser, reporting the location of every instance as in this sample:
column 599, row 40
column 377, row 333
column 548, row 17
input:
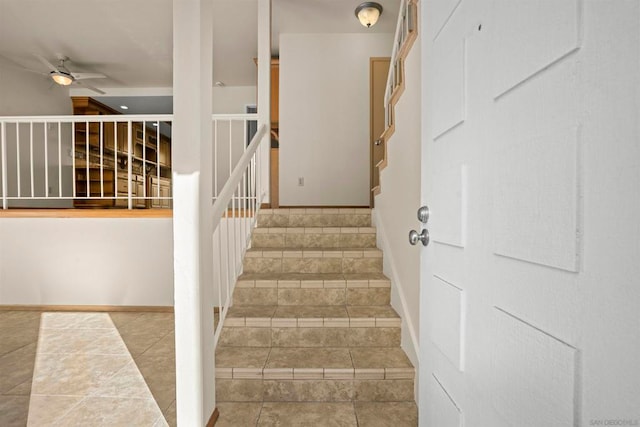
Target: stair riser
column 232, row 390
column 310, row 337
column 313, row 265
column 314, row 220
column 324, row 296
column 313, row 241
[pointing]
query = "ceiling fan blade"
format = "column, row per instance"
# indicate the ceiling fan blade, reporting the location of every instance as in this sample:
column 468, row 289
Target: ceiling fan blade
column 17, row 66
column 84, row 76
column 95, row 89
column 49, row 65
column 35, row 72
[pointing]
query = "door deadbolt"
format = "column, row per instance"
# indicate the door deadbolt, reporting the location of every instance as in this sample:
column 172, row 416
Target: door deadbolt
column 423, row 214
column 415, row 237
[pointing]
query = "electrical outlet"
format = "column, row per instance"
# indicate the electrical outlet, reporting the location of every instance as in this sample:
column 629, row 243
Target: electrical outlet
column 301, row 181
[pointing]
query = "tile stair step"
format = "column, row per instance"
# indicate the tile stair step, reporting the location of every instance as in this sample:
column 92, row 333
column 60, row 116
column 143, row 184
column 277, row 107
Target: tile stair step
column 313, row 374
column 315, row 230
column 372, row 363
column 312, row 322
column 301, row 296
column 313, row 281
column 363, row 260
column 314, row 237
column 312, row 311
column 325, row 390
column 316, row 211
column 313, row 253
column 312, row 317
column 315, row 217
column 345, row 414
column 313, row 334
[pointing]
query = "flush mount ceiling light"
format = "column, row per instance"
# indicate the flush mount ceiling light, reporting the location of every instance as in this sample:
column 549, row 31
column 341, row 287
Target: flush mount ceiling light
column 62, row 78
column 368, row 13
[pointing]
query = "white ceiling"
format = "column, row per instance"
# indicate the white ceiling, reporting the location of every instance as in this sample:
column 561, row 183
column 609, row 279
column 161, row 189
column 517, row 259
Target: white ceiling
column 130, row 41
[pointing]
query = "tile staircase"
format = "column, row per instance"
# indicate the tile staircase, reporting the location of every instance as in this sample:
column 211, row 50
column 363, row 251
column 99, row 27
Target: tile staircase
column 311, row 320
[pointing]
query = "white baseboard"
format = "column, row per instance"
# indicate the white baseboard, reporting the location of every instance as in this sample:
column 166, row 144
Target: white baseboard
column 409, row 343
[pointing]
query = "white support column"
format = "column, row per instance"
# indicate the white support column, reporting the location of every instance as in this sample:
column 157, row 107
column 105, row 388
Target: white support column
column 191, row 134
column 264, row 89
column 206, row 215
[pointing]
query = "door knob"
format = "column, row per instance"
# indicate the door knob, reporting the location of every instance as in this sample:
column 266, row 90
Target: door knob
column 423, row 214
column 415, row 237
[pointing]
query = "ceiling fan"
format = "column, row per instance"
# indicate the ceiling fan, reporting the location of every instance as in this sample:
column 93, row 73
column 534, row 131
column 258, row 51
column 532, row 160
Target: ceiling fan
column 62, row 76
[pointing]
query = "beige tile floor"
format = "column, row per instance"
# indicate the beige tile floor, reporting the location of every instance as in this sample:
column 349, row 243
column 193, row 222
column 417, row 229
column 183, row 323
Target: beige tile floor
column 148, row 337
column 85, row 375
column 18, row 338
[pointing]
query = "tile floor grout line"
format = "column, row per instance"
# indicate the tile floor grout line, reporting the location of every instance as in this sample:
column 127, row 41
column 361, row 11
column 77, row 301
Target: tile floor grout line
column 161, row 416
column 169, row 405
column 66, row 413
column 20, row 348
column 8, row 392
column 148, row 348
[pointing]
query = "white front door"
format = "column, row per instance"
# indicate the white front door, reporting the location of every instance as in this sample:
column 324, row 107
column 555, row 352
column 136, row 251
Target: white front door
column 530, row 286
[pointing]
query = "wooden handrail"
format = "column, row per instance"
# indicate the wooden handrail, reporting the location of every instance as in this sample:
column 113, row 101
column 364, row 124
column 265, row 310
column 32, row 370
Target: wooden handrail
column 398, row 58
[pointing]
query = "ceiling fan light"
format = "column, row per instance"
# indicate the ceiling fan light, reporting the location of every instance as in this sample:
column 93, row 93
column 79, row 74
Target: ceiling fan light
column 61, row 78
column 368, row 13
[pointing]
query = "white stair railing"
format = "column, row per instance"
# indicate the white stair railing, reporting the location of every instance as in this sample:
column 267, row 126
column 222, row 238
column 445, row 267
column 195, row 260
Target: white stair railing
column 61, row 161
column 234, row 216
column 121, row 161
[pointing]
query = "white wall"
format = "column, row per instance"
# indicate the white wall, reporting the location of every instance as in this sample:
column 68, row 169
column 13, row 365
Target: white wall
column 86, row 261
column 396, row 206
column 233, row 99
column 24, row 93
column 324, row 117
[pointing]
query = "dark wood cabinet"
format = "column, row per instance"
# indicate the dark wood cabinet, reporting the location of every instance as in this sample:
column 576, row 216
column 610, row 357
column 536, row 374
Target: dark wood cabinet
column 102, row 156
